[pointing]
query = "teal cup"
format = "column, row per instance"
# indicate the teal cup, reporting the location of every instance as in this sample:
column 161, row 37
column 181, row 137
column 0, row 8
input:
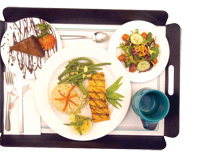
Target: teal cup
column 151, row 106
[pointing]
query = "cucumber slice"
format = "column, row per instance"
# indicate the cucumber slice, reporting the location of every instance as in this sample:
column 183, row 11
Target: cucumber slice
column 143, row 66
column 136, row 38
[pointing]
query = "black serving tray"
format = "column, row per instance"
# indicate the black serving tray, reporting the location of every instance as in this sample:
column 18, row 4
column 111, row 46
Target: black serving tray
column 106, row 17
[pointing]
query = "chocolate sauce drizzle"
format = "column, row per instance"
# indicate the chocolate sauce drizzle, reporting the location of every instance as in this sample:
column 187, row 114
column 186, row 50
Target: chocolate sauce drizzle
column 23, row 29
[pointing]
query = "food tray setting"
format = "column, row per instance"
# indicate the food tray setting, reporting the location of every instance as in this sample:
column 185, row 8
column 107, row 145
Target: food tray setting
column 78, row 81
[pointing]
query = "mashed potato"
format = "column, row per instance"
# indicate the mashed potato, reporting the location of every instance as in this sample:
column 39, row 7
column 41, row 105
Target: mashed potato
column 80, row 100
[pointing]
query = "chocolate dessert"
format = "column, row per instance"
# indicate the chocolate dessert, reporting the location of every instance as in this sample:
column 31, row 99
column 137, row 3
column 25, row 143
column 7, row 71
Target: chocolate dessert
column 30, row 46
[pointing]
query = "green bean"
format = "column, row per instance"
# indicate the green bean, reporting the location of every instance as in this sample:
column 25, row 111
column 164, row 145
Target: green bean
column 83, row 89
column 79, row 80
column 75, row 62
column 71, row 63
column 70, row 80
column 62, row 74
column 114, row 102
column 74, row 81
column 81, row 73
column 85, row 64
column 63, row 80
column 67, row 71
column 113, row 99
column 81, row 58
column 76, row 75
column 84, row 58
column 115, row 85
column 71, row 124
column 90, row 68
column 114, row 96
column 76, row 65
column 100, row 64
column 94, row 65
column 95, row 68
column 91, row 72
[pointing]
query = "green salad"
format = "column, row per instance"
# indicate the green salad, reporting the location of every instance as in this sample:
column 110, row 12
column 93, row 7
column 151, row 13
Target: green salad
column 139, row 51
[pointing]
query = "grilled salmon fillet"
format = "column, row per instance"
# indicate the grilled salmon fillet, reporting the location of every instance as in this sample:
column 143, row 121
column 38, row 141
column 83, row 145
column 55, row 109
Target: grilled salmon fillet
column 97, row 98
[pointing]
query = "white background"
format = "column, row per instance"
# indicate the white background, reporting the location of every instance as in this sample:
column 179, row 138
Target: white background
column 184, row 13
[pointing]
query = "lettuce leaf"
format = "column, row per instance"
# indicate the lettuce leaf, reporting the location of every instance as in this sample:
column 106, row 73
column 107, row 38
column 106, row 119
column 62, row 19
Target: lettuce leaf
column 154, row 52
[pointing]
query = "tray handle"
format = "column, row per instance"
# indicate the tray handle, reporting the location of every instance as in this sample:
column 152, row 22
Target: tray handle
column 172, row 85
column 2, row 31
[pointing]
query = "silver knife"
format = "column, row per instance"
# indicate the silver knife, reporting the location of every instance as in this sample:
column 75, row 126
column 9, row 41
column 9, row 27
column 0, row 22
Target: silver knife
column 20, row 105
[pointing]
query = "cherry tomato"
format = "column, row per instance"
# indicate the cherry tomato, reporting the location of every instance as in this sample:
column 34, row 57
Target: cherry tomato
column 122, row 57
column 155, row 61
column 132, row 68
column 144, row 35
column 125, row 37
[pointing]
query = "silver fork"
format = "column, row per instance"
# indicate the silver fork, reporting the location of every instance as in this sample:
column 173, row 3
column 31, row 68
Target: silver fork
column 9, row 87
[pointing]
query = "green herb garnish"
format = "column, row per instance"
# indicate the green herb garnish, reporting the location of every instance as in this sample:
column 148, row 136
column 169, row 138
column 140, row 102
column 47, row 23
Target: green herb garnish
column 78, row 122
column 44, row 29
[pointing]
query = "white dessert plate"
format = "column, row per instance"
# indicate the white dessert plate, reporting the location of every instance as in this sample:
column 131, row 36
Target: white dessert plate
column 16, row 61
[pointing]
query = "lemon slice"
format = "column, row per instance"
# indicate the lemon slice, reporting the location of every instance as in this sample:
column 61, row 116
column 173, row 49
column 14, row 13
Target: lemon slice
column 85, row 127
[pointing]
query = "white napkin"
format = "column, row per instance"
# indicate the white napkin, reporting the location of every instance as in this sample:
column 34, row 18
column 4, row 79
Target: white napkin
column 32, row 124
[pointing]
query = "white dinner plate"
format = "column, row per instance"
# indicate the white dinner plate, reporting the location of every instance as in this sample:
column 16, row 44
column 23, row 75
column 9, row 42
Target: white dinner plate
column 48, row 78
column 142, row 26
column 18, row 31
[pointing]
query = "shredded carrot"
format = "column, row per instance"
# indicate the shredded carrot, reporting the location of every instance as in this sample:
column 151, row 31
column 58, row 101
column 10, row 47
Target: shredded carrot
column 66, row 98
column 73, row 102
column 65, row 106
column 59, row 99
column 61, row 94
column 75, row 95
column 157, row 45
column 141, row 50
column 140, row 60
